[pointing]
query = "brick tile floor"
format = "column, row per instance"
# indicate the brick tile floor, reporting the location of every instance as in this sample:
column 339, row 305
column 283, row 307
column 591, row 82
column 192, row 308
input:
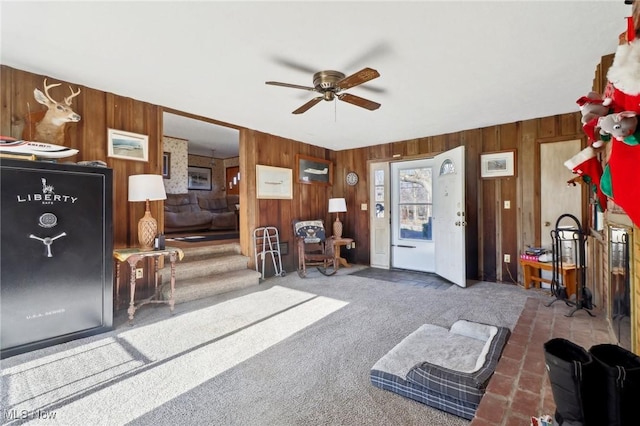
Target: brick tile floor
column 520, row 386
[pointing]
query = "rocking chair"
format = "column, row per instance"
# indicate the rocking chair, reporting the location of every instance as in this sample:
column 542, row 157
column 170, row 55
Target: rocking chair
column 314, row 248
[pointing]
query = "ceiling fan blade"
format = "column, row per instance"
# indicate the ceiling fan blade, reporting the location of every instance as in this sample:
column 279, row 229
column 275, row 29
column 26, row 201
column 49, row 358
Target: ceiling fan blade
column 362, row 76
column 294, row 65
column 308, row 105
column 358, row 101
column 373, row 89
column 293, row 86
column 372, row 54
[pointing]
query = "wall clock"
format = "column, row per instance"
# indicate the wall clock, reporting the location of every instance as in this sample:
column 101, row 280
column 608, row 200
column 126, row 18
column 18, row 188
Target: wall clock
column 352, row 178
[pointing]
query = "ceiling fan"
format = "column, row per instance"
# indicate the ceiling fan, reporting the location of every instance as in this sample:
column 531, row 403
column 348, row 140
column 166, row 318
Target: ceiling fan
column 330, row 84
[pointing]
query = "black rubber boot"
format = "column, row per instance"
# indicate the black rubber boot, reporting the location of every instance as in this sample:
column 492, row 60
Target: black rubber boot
column 572, row 375
column 619, row 381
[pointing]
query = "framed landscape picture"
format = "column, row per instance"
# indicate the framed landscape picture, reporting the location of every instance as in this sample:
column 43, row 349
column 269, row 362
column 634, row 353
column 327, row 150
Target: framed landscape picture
column 127, row 145
column 199, row 178
column 498, row 164
column 311, row 170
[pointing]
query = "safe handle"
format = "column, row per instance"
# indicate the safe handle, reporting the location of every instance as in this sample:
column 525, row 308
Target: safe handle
column 47, row 241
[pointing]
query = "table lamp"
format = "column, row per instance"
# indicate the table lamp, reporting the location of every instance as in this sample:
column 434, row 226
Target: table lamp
column 146, row 188
column 337, row 205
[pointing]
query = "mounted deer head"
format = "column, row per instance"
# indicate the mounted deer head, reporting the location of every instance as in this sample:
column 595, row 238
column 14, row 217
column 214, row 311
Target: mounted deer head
column 51, row 128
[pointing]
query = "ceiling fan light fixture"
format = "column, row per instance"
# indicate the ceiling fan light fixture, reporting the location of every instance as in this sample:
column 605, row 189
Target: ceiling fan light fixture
column 330, row 83
column 326, row 80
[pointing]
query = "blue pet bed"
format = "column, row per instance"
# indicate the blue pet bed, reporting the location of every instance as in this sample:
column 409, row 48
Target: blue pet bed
column 448, row 369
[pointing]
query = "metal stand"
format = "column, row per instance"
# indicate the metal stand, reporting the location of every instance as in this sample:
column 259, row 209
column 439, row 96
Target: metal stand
column 267, row 241
column 568, row 247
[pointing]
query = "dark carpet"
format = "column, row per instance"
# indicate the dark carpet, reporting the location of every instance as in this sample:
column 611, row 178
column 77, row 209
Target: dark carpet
column 401, row 276
column 200, row 238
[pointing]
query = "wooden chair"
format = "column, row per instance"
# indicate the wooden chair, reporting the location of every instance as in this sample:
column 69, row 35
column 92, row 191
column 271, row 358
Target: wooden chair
column 314, row 248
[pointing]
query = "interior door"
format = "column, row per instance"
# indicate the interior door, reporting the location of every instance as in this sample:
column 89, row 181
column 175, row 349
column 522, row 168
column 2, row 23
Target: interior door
column 449, row 218
column 379, row 217
column 412, row 244
column 556, row 197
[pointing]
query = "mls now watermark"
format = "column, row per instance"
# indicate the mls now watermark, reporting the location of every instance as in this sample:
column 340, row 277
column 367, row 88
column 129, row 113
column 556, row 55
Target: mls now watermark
column 28, row 415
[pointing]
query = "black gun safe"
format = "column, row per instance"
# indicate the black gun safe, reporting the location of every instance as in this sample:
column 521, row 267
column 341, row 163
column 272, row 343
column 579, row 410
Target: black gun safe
column 56, row 253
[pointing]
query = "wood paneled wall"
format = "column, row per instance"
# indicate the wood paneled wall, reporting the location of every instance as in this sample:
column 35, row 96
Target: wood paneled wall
column 491, row 230
column 99, row 111
column 309, row 201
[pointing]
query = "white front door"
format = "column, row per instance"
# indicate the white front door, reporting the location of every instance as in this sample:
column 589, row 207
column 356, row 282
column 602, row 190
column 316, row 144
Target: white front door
column 412, row 244
column 449, row 217
column 427, row 215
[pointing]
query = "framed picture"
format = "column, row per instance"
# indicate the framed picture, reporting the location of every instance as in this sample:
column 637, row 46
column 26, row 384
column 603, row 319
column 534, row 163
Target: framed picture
column 274, row 183
column 199, row 178
column 127, row 145
column 166, row 165
column 498, row 164
column 312, row 170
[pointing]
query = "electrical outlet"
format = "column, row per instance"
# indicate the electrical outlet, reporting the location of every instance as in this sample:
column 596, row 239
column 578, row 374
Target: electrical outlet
column 507, row 258
column 353, row 245
column 507, row 204
column 139, row 273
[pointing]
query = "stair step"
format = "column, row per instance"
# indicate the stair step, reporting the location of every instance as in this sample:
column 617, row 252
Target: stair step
column 208, row 252
column 207, row 267
column 207, row 286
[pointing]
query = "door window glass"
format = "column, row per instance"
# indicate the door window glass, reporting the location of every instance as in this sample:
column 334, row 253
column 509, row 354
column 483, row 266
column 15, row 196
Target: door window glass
column 415, row 203
column 379, row 185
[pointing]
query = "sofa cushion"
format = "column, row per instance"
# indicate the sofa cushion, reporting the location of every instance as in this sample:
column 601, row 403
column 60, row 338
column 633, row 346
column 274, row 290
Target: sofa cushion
column 180, row 203
column 215, row 205
column 201, row 219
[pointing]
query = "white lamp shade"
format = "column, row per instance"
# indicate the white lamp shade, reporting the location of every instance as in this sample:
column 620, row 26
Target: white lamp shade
column 146, row 187
column 337, row 205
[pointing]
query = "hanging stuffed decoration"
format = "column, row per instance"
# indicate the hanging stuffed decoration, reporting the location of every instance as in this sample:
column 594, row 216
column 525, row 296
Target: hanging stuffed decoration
column 614, row 113
column 619, row 176
column 587, row 165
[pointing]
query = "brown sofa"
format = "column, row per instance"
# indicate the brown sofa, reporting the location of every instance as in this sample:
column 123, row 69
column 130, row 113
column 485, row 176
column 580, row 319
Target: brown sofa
column 182, row 213
column 188, row 212
column 223, row 211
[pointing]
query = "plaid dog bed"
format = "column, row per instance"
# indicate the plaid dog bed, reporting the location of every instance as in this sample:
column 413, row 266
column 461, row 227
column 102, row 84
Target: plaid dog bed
column 448, row 369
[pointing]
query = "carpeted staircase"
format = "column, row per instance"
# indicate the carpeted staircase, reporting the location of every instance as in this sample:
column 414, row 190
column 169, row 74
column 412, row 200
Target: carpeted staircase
column 209, row 270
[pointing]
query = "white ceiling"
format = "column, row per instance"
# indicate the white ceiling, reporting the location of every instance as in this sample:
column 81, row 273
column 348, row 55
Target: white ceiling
column 445, row 66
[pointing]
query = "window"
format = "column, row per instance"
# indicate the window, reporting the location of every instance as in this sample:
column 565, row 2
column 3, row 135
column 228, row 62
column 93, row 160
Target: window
column 416, row 203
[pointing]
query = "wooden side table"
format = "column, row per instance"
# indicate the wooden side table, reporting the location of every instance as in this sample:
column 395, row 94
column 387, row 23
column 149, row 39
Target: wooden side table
column 134, row 255
column 531, row 271
column 337, row 243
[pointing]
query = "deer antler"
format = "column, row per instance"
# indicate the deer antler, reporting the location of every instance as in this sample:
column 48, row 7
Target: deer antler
column 46, row 90
column 51, row 127
column 67, row 100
